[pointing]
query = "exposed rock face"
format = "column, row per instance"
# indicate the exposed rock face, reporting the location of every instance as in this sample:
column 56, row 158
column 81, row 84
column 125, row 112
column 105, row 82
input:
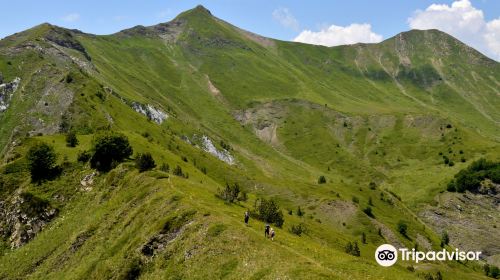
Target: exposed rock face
column 22, row 218
column 471, row 220
column 206, row 144
column 222, row 154
column 151, row 112
column 7, row 90
column 87, row 181
column 65, row 38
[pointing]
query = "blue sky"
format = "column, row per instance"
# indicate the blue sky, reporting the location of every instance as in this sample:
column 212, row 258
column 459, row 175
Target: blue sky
column 319, row 22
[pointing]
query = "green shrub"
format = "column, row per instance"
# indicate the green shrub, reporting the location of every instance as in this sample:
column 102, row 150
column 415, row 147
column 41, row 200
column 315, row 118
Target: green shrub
column 145, row 162
column 178, row 171
column 352, row 248
column 109, row 148
column 445, row 239
column 470, row 178
column 165, row 167
column 268, row 211
column 71, row 139
column 84, row 156
column 402, row 228
column 300, row 212
column 368, row 212
column 298, row 229
column 229, row 193
column 321, row 179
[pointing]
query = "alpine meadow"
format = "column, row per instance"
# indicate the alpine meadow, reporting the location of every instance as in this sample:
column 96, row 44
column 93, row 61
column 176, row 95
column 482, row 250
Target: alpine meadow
column 135, row 155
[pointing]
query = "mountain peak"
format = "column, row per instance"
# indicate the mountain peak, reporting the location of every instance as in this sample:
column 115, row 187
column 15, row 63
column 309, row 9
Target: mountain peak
column 202, row 9
column 198, row 11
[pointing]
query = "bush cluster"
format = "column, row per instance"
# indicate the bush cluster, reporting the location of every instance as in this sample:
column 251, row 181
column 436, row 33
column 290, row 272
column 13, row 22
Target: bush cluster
column 352, row 248
column 470, row 178
column 298, row 229
column 268, row 211
column 144, row 162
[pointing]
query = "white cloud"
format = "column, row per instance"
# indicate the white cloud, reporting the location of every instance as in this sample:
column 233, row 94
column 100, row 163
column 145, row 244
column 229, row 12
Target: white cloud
column 285, row 18
column 339, row 35
column 71, row 17
column 463, row 21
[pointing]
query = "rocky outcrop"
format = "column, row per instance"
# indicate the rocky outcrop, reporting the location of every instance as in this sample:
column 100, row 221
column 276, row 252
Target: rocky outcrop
column 150, row 111
column 7, row 90
column 65, row 38
column 22, row 218
column 222, row 154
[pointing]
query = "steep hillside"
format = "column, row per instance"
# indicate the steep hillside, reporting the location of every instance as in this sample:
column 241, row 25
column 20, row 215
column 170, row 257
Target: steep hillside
column 387, row 126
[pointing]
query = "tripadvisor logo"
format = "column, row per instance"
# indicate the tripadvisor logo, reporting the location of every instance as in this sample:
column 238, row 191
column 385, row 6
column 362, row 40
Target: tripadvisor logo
column 387, row 255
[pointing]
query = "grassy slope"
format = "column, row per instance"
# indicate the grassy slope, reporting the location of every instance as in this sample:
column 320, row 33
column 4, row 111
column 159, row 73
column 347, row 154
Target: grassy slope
column 125, row 209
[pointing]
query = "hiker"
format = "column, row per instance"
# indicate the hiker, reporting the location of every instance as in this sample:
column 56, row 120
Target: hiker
column 247, row 217
column 266, row 231
column 272, row 234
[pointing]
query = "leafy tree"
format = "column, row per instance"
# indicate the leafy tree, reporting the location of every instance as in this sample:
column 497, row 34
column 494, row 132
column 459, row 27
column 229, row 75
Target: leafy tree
column 145, row 162
column 402, row 228
column 109, row 148
column 321, row 179
column 71, row 139
column 41, row 161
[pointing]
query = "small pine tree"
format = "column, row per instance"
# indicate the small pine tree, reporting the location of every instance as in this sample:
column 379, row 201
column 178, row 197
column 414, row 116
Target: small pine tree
column 368, row 212
column 363, row 238
column 321, row 179
column 178, row 171
column 165, row 167
column 353, row 249
column 300, row 213
column 145, row 162
column 71, row 139
column 445, row 239
column 402, row 228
